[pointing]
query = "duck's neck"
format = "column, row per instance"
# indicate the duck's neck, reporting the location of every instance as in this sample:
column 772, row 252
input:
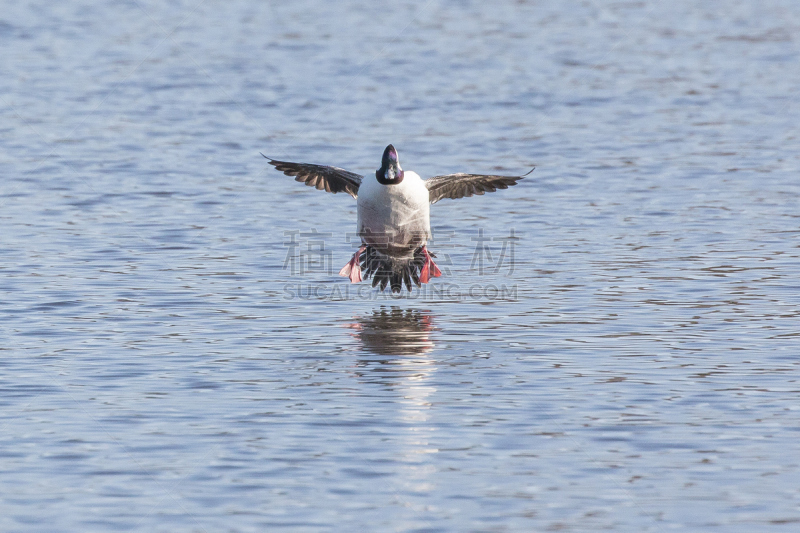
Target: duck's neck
column 380, row 174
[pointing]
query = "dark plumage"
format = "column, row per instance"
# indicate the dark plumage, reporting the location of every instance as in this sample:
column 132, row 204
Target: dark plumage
column 463, row 185
column 330, row 179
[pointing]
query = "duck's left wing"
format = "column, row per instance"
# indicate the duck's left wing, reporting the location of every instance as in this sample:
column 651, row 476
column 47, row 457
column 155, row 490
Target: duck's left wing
column 463, row 185
column 330, row 179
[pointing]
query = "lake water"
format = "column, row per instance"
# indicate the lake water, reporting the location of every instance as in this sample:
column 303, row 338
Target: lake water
column 179, row 355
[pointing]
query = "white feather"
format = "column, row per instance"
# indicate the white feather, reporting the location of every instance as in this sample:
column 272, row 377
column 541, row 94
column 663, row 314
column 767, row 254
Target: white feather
column 398, row 216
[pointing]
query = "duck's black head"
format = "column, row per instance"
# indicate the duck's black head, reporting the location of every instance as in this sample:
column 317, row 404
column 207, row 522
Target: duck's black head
column 390, row 172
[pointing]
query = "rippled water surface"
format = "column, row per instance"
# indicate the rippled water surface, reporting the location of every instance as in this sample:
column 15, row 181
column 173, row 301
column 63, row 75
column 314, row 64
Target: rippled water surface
column 179, row 354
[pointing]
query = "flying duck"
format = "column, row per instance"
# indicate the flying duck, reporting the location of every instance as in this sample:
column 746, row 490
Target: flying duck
column 393, row 215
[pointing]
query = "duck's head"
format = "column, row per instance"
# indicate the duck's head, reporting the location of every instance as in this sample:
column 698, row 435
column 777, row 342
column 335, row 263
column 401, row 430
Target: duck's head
column 390, row 172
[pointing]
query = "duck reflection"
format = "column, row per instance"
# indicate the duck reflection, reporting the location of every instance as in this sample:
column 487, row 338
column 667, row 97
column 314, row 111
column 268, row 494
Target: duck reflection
column 395, row 332
column 395, row 353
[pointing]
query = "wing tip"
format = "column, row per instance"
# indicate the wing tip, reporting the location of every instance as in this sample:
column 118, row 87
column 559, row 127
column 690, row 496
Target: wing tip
column 273, row 162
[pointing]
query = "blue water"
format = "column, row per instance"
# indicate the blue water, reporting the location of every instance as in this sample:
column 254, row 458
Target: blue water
column 179, row 355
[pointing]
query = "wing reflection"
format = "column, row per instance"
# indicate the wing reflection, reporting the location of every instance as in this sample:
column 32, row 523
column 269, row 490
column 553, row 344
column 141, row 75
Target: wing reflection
column 396, row 331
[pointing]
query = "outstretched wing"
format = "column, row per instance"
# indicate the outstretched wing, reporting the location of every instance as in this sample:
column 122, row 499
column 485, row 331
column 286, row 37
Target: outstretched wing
column 461, row 185
column 331, row 179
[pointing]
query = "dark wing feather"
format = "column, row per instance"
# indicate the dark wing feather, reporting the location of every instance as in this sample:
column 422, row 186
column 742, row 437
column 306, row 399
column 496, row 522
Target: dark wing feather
column 330, row 179
column 462, row 185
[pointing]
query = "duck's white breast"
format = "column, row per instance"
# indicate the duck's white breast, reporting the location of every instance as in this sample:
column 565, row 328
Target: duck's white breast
column 401, row 210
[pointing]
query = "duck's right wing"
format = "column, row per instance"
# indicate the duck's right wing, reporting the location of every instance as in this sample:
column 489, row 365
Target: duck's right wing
column 330, row 179
column 462, row 185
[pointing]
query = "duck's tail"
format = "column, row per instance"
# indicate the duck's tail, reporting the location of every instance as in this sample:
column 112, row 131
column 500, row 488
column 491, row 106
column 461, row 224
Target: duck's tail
column 395, row 272
column 398, row 271
column 392, row 271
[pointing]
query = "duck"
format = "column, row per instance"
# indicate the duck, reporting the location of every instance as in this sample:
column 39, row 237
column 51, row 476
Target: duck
column 393, row 215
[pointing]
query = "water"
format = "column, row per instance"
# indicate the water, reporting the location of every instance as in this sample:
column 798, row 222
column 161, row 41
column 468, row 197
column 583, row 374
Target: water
column 167, row 365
